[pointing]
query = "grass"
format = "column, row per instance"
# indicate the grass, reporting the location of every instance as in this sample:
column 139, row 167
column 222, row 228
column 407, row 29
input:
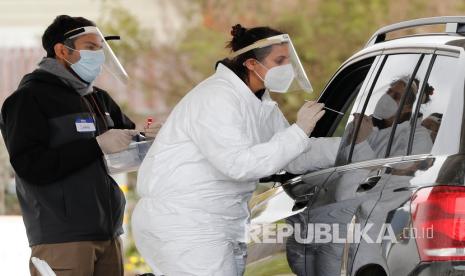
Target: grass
column 272, row 266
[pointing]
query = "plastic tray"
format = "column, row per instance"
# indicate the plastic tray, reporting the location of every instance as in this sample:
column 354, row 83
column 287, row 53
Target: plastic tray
column 127, row 160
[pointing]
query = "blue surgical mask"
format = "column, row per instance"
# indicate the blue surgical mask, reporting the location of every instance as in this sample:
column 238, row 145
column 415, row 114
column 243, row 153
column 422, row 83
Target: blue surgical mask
column 89, row 66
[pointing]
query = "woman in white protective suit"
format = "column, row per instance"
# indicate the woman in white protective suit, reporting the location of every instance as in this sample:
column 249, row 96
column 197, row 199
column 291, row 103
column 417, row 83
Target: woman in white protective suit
column 220, row 139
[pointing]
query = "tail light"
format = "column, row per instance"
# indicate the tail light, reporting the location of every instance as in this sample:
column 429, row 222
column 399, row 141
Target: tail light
column 438, row 215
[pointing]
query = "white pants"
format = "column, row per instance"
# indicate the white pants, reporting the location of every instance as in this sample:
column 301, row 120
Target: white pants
column 171, row 246
column 240, row 254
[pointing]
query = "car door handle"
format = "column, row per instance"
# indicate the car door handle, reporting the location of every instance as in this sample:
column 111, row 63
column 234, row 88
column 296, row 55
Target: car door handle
column 280, row 178
column 302, row 201
column 369, row 183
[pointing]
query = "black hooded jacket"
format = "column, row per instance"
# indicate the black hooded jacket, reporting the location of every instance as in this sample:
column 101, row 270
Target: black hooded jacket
column 62, row 185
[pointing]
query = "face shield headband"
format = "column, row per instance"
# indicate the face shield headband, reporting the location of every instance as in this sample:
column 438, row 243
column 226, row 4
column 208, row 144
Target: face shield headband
column 301, row 81
column 112, row 63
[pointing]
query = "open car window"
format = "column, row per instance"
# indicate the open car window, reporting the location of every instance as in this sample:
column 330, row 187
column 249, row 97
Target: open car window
column 370, row 124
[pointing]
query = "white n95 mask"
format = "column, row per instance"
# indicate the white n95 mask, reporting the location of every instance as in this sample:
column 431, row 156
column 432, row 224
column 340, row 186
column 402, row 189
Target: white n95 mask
column 385, row 108
column 279, row 78
column 283, row 78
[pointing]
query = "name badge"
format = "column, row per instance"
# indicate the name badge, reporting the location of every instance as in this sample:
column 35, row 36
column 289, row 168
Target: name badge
column 85, row 125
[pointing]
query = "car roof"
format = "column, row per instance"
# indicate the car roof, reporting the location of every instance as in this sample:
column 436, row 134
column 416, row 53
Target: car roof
column 434, row 40
column 439, row 39
column 453, row 35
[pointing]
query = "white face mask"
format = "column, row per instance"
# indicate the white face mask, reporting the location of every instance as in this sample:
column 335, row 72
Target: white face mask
column 385, row 108
column 279, row 78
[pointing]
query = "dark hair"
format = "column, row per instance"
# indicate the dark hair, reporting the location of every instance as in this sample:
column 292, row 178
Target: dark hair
column 243, row 37
column 55, row 33
column 429, row 90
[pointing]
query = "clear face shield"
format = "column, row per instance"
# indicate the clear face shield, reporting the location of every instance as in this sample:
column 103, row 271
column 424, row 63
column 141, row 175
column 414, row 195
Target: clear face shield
column 111, row 64
column 285, row 71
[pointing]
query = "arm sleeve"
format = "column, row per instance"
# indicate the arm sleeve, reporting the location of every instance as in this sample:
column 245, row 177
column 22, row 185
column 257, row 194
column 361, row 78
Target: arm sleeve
column 26, row 134
column 222, row 132
column 320, row 155
column 422, row 143
column 362, row 152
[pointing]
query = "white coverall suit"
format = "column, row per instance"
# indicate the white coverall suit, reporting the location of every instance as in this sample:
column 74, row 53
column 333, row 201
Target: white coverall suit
column 198, row 176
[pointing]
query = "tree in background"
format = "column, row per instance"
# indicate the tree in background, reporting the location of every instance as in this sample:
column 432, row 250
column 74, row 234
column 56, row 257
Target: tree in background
column 325, row 32
column 157, row 70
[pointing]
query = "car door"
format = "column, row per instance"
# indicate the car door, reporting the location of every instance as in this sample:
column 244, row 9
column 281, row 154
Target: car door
column 279, row 210
column 434, row 135
column 339, row 212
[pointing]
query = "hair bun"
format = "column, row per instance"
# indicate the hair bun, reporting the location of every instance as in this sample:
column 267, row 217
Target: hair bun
column 237, row 30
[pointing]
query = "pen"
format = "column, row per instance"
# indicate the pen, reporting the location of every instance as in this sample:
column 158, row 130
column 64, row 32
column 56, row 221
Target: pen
column 327, row 108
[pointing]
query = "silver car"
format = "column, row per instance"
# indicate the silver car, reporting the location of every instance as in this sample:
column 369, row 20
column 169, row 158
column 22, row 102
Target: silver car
column 394, row 202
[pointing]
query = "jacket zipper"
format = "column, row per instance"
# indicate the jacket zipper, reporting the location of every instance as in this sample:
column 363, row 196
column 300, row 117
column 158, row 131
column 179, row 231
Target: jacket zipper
column 91, row 110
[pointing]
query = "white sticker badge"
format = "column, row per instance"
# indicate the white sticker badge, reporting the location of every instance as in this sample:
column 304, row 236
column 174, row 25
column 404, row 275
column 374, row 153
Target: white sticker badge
column 85, row 125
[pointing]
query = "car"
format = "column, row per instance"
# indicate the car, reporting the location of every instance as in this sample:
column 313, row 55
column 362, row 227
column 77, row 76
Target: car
column 394, row 201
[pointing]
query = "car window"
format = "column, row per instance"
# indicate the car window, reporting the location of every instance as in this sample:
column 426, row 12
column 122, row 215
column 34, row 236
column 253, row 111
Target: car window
column 342, row 124
column 348, row 84
column 405, row 122
column 372, row 122
column 431, row 104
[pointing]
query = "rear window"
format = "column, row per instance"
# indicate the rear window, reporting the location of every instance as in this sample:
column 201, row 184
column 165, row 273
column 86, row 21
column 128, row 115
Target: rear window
column 403, row 110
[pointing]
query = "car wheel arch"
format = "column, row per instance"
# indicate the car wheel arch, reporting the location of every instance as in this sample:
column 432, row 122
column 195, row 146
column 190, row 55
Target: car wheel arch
column 371, row 270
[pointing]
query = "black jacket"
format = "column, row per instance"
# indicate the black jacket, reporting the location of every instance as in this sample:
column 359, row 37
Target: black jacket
column 62, row 185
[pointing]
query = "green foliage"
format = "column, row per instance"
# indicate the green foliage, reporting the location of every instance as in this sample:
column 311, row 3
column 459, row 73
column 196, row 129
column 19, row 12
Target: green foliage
column 115, row 19
column 275, row 265
column 204, row 47
column 324, row 34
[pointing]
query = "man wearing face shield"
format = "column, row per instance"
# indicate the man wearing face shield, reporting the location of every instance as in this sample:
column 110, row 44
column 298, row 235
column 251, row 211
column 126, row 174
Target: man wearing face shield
column 56, row 127
column 220, row 139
